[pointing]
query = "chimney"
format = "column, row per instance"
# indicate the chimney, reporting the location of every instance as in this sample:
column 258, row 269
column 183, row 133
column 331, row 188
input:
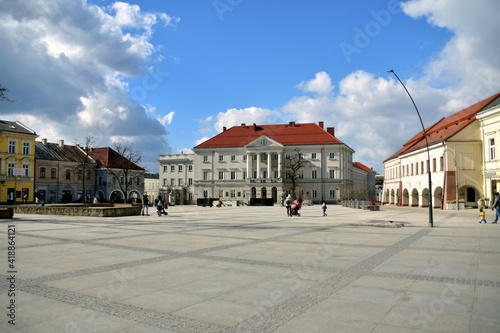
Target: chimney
column 44, row 141
column 61, row 143
column 224, row 128
column 331, row 130
column 243, row 124
column 291, row 124
column 254, row 127
column 321, row 124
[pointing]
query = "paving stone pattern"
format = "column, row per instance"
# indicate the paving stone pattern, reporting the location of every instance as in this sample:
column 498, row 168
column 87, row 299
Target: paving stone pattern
column 253, row 269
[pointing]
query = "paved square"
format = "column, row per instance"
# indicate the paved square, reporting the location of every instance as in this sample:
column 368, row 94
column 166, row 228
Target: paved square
column 252, row 269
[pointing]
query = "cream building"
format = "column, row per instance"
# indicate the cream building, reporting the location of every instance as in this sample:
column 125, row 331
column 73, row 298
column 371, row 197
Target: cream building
column 176, row 176
column 247, row 163
column 454, row 156
column 489, row 120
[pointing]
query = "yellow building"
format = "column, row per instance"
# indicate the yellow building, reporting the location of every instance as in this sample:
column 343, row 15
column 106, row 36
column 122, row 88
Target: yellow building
column 17, row 162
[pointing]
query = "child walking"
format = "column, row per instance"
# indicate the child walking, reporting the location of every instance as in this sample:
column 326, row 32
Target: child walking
column 323, row 207
column 482, row 216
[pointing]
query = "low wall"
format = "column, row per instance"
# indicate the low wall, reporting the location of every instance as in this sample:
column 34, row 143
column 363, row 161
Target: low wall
column 79, row 210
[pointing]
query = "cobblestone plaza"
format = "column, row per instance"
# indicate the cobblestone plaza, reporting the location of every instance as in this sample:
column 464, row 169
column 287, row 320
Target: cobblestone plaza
column 252, row 269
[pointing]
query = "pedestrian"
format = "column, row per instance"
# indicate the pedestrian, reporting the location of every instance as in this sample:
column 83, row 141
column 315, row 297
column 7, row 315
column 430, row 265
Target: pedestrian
column 96, row 201
column 323, row 207
column 288, row 205
column 145, row 205
column 496, row 207
column 482, row 215
column 159, row 204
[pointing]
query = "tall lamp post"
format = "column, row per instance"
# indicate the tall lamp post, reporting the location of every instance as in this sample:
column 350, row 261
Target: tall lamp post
column 431, row 222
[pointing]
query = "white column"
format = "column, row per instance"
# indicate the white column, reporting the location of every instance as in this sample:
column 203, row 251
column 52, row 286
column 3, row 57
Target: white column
column 279, row 165
column 269, row 162
column 249, row 156
column 258, row 165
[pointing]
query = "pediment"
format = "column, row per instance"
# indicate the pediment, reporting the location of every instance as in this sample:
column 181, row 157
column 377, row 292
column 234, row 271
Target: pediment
column 263, row 142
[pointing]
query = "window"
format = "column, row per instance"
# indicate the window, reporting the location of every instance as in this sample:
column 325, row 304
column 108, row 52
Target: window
column 422, row 167
column 244, row 175
column 233, row 158
column 332, row 194
column 12, row 147
column 179, row 168
column 26, row 168
column 314, row 174
column 491, row 148
column 53, row 173
column 416, row 168
column 315, row 194
column 233, row 194
column 412, row 170
column 172, row 168
column 68, row 174
column 205, row 158
column 275, row 173
column 264, row 174
column 165, row 182
column 221, row 158
column 221, row 193
column 89, row 175
column 244, row 157
column 233, row 175
column 190, row 168
column 205, row 175
column 165, row 168
column 332, row 155
column 99, row 180
column 255, row 174
column 301, row 174
column 10, row 169
column 190, row 181
column 179, row 182
column 221, row 175
column 332, row 174
column 433, row 165
column 26, row 148
column 205, row 193
column 172, row 182
column 42, row 172
column 313, row 156
column 441, row 163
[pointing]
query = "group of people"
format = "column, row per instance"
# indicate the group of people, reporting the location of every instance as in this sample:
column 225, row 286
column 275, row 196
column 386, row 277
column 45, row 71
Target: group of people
column 495, row 206
column 160, row 205
column 292, row 208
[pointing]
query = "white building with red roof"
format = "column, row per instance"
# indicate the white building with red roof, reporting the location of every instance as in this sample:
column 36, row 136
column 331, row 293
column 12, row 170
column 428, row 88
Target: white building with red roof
column 245, row 163
column 456, row 149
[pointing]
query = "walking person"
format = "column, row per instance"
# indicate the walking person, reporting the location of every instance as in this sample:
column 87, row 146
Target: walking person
column 159, row 205
column 288, row 204
column 145, row 205
column 496, row 207
column 482, row 215
column 323, row 208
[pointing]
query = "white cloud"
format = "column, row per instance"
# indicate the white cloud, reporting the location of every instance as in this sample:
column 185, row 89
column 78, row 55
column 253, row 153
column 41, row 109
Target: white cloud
column 166, row 119
column 66, row 63
column 233, row 117
column 321, row 84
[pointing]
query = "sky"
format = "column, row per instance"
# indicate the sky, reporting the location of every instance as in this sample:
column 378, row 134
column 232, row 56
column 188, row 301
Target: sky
column 165, row 75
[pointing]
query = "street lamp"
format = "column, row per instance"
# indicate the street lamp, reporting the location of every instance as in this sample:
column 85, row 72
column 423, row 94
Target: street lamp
column 456, row 171
column 431, row 223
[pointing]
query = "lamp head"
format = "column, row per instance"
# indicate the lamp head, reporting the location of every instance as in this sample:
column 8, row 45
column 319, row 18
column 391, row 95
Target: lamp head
column 390, row 71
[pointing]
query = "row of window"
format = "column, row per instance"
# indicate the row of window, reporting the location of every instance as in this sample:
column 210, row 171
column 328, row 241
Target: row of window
column 179, row 168
column 13, row 147
column 238, row 194
column 414, row 169
column 288, row 156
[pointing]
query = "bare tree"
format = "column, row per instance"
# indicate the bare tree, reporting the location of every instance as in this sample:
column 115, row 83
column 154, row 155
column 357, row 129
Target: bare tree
column 292, row 167
column 85, row 164
column 3, row 95
column 127, row 167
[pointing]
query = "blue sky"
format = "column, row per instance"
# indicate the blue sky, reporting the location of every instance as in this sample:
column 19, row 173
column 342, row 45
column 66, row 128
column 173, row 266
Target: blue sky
column 166, row 75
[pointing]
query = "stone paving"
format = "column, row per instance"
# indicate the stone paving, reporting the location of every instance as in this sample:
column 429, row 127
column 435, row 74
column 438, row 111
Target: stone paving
column 252, row 269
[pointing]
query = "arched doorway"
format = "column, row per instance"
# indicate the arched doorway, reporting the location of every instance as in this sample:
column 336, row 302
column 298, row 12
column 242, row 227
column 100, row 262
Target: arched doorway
column 116, row 196
column 414, row 198
column 263, row 192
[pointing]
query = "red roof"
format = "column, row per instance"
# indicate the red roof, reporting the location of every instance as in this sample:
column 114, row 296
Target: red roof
column 363, row 167
column 286, row 134
column 446, row 127
column 109, row 158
